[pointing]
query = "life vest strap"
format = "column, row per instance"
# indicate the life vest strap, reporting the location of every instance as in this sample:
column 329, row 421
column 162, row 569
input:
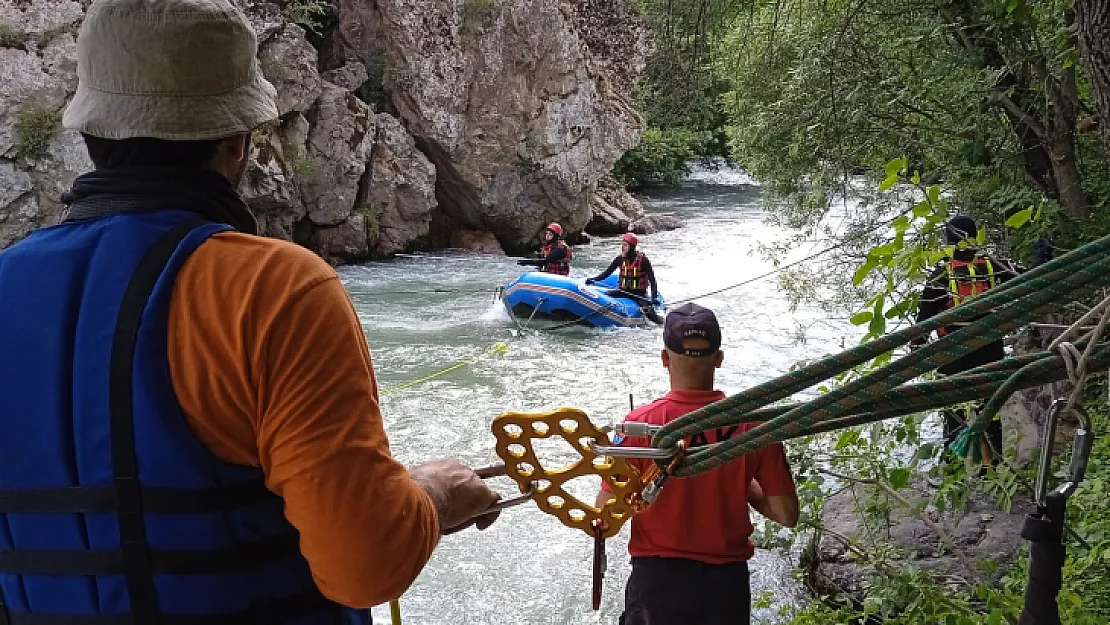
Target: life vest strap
column 103, row 499
column 125, row 470
column 285, row 609
column 241, row 556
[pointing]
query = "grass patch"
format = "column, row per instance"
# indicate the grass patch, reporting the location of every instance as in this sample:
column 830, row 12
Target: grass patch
column 35, row 129
column 11, row 37
column 303, row 166
column 372, row 215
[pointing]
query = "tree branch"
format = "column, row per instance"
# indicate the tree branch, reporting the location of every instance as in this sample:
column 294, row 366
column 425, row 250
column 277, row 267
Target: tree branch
column 937, row 529
column 1021, row 115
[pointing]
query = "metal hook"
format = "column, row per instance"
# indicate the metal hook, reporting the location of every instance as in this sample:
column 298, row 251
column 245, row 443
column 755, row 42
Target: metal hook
column 1080, row 452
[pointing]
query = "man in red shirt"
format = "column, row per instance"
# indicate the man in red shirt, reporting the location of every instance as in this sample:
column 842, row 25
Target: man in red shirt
column 690, row 548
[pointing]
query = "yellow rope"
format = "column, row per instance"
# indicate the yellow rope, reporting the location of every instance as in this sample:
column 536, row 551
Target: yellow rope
column 496, row 349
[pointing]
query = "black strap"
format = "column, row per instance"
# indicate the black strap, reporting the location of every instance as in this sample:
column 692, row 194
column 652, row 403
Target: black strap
column 1047, row 554
column 125, row 470
column 4, row 620
column 239, row 557
column 285, row 609
column 93, row 499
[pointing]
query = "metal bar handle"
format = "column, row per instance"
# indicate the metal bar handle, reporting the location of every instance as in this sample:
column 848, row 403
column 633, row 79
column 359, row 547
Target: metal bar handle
column 497, row 470
column 653, row 453
column 636, row 429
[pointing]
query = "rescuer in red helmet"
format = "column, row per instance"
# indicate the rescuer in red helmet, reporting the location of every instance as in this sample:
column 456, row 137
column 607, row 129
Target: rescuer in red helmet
column 555, row 254
column 636, row 276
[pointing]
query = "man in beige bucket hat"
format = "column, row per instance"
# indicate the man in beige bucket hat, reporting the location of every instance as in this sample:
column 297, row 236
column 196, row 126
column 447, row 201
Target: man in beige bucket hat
column 189, row 422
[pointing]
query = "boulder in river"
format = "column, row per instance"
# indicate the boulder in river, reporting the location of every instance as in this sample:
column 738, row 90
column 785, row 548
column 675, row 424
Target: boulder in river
column 476, row 241
column 651, row 224
column 613, row 209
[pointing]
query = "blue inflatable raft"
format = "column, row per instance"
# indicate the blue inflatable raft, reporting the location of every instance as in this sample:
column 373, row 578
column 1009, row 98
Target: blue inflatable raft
column 551, row 297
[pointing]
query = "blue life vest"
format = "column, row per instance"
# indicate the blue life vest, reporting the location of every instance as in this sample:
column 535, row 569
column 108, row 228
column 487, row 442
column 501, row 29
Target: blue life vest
column 111, row 511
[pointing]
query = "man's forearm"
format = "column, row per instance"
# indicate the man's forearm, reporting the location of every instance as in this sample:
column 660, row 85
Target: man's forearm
column 757, row 500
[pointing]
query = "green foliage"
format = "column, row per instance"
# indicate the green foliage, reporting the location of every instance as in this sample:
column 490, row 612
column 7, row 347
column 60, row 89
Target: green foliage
column 34, row 130
column 11, row 36
column 680, row 91
column 303, row 166
column 378, row 70
column 315, row 16
column 870, row 462
column 372, row 216
column 662, row 157
column 824, row 95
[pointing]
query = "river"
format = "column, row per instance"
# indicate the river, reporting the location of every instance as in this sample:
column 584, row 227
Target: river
column 422, row 314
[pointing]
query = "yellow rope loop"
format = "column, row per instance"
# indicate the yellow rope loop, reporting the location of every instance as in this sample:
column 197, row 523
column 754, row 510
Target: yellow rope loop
column 515, row 432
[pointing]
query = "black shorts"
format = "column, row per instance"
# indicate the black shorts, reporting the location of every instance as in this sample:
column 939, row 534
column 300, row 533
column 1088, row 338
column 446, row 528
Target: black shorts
column 677, row 591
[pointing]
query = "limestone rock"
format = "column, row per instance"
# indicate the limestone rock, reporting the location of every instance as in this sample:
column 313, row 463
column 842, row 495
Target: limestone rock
column 1024, row 413
column 618, row 39
column 401, row 191
column 20, row 204
column 34, row 20
column 268, row 187
column 476, row 241
column 655, row 223
column 613, row 209
column 53, row 175
column 38, row 73
column 265, row 17
column 987, row 535
column 338, row 147
column 29, row 88
column 337, row 244
column 495, row 116
column 505, row 99
column 350, row 76
column 289, row 62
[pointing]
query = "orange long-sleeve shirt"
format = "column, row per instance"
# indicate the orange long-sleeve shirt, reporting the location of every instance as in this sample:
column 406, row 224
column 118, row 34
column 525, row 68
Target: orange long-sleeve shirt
column 272, row 369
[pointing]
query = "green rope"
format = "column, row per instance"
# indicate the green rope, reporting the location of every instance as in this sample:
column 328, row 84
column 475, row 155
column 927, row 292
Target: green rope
column 882, row 393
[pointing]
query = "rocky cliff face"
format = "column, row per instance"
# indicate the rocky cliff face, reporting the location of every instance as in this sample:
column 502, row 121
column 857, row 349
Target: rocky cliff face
column 485, row 115
column 520, row 118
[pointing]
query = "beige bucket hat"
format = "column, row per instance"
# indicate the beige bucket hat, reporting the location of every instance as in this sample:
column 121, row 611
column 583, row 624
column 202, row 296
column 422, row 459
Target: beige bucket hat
column 169, row 69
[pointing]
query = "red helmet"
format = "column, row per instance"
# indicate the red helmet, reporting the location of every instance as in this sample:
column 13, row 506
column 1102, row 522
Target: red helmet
column 630, row 239
column 556, row 228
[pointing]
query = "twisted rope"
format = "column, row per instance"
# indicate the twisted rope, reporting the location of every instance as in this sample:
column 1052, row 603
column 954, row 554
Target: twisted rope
column 883, row 393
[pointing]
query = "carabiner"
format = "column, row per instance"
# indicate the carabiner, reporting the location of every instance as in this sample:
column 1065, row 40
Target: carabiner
column 1080, row 452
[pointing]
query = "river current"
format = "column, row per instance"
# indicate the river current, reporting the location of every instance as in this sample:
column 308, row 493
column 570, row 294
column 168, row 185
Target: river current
column 422, row 313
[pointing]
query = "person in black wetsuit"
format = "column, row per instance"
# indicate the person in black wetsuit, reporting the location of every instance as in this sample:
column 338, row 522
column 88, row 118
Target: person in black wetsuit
column 966, row 274
column 555, row 254
column 636, row 276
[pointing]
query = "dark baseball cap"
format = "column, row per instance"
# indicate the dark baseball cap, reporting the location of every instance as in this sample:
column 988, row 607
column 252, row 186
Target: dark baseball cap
column 691, row 321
